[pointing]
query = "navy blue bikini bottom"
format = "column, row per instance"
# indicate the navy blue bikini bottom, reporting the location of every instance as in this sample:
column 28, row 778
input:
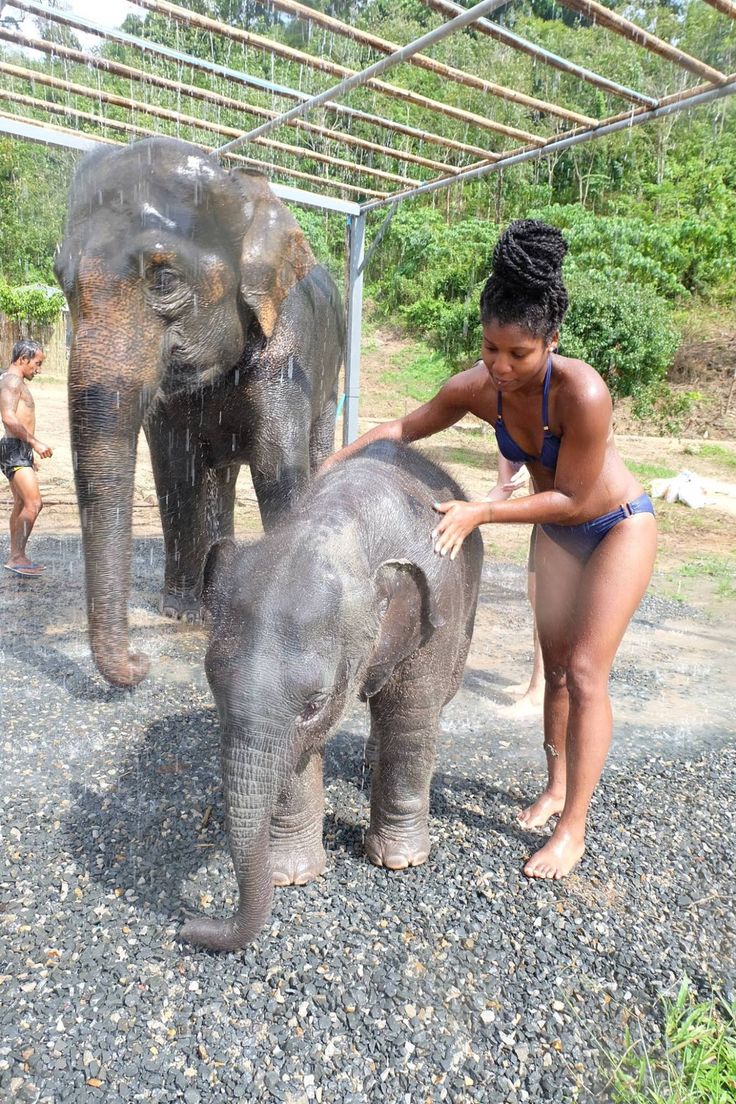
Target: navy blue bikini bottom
column 582, row 540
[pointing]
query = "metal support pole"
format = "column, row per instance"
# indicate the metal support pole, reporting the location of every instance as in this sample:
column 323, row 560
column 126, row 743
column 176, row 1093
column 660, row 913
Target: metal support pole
column 48, row 136
column 356, row 252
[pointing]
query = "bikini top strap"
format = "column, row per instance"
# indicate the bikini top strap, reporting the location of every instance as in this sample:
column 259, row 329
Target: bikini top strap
column 545, row 395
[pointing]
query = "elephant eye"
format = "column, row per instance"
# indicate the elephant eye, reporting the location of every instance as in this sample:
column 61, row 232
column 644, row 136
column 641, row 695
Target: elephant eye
column 162, row 280
column 313, row 708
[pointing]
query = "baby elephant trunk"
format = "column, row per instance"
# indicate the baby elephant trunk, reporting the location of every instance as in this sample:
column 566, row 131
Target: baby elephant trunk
column 250, row 792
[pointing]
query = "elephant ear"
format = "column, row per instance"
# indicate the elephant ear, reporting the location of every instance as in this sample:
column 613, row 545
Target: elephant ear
column 408, row 618
column 274, row 256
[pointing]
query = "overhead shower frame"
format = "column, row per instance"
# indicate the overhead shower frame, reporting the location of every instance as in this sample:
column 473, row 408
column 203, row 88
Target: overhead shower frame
column 641, row 109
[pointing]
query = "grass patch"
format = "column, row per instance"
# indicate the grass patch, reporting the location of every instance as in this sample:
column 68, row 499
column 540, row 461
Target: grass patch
column 722, row 570
column 712, row 452
column 715, row 567
column 417, row 371
column 473, row 458
column 693, row 1062
column 702, row 320
column 673, row 517
column 651, row 471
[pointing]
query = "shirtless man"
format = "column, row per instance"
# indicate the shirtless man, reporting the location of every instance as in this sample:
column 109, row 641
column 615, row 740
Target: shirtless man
column 18, row 414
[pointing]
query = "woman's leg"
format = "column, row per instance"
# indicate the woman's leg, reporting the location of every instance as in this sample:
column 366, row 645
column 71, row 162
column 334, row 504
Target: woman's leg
column 559, row 575
column 612, row 586
column 531, row 700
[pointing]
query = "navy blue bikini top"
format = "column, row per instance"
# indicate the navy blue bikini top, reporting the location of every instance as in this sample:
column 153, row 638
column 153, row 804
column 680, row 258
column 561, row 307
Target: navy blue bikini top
column 508, row 447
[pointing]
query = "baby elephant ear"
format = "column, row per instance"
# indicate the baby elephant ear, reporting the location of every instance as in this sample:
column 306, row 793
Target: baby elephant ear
column 274, row 256
column 408, row 617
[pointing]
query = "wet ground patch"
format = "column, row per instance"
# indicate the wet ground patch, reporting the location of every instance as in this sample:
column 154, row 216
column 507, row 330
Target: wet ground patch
column 457, row 981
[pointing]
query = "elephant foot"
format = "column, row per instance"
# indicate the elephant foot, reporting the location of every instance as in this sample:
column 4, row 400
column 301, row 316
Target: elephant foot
column 125, row 671
column 298, row 866
column 181, row 607
column 396, row 852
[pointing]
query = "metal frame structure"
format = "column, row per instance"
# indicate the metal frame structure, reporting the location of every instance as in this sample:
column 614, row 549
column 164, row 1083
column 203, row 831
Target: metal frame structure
column 465, row 160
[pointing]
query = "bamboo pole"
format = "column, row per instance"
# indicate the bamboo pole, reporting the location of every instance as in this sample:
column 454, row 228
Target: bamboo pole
column 422, row 61
column 246, row 38
column 632, row 117
column 132, row 128
column 665, row 101
column 119, row 69
column 724, row 6
column 156, row 49
column 56, row 127
column 191, row 120
column 516, row 42
column 604, row 17
column 683, row 101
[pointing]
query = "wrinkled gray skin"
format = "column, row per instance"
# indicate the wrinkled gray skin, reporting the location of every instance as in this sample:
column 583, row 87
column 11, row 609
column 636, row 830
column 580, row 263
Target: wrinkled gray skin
column 345, row 598
column 199, row 313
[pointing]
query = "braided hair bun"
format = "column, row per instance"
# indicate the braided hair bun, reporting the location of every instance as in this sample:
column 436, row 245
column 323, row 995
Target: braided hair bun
column 525, row 287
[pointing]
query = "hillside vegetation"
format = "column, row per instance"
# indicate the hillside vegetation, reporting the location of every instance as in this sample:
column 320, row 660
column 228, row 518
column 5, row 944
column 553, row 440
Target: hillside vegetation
column 649, row 214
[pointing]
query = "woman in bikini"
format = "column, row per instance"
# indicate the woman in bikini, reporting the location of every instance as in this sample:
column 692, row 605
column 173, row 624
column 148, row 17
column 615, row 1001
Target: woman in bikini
column 596, row 535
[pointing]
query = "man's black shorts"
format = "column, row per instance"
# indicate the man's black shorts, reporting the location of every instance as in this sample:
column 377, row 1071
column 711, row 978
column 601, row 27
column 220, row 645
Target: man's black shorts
column 14, row 454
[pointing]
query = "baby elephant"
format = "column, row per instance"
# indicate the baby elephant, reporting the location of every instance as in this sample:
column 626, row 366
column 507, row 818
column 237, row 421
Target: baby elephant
column 344, row 598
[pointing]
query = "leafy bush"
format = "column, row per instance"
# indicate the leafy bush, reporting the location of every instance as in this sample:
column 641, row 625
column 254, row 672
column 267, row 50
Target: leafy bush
column 451, row 328
column 625, row 331
column 620, row 272
column 624, row 248
column 33, row 304
column 409, row 256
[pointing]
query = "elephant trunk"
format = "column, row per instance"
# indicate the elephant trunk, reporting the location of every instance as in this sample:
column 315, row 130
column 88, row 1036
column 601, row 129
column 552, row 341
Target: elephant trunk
column 107, row 401
column 251, row 786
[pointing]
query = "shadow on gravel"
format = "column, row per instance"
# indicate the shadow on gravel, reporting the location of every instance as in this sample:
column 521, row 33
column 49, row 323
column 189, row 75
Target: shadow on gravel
column 162, row 819
column 79, row 680
column 51, row 663
column 485, row 682
column 156, row 824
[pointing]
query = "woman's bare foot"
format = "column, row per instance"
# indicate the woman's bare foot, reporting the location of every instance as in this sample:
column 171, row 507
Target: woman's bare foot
column 528, row 706
column 517, row 689
column 557, row 858
column 537, row 815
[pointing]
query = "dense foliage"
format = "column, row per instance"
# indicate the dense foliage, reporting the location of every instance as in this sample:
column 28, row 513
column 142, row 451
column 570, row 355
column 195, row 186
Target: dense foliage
column 30, row 304
column 620, row 273
column 650, row 213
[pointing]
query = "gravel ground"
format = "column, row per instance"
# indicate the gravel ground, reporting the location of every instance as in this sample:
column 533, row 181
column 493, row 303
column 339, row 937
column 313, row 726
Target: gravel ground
column 458, row 981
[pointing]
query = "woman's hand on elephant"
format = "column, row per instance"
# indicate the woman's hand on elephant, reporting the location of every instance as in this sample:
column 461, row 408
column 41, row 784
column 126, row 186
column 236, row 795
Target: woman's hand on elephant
column 460, row 518
column 328, row 463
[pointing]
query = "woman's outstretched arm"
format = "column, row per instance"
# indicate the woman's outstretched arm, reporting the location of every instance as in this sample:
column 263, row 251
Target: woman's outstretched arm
column 447, row 407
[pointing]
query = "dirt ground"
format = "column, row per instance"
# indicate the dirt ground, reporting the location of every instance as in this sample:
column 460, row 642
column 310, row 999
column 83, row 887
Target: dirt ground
column 117, row 834
column 695, row 561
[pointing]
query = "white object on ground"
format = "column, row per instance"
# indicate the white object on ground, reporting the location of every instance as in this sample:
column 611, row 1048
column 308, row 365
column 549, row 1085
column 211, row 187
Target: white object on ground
column 685, row 487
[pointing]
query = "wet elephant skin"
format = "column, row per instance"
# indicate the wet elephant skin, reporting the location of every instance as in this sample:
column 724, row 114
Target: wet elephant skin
column 200, row 315
column 344, row 598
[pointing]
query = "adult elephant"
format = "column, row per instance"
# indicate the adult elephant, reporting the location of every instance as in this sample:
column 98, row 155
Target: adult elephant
column 345, row 598
column 199, row 313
